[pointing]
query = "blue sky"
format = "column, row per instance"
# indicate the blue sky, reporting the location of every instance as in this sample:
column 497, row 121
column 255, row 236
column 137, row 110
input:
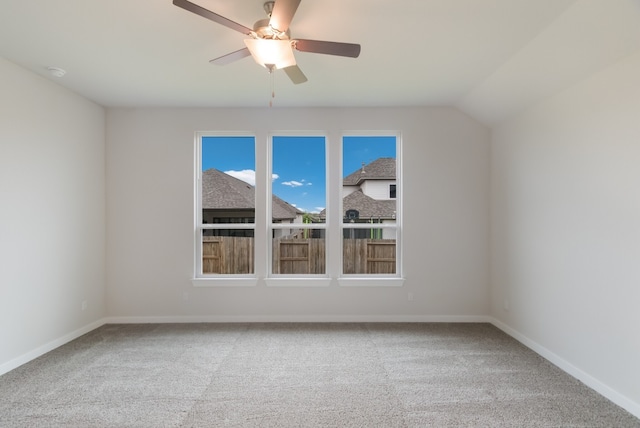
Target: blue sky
column 299, row 175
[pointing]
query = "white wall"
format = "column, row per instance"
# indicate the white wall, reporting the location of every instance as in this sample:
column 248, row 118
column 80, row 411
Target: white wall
column 347, row 190
column 52, row 214
column 150, row 168
column 377, row 189
column 566, row 229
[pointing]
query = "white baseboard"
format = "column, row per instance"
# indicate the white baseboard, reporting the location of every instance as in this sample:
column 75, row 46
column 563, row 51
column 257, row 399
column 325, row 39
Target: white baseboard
column 604, row 390
column 41, row 350
column 296, row 318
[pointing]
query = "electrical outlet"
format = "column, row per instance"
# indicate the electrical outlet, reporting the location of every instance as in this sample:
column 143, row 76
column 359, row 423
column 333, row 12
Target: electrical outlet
column 410, row 297
column 185, row 296
column 84, row 305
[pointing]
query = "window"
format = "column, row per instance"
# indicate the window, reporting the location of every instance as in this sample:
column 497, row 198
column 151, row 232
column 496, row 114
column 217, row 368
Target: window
column 298, row 205
column 370, row 220
column 225, row 224
column 292, row 237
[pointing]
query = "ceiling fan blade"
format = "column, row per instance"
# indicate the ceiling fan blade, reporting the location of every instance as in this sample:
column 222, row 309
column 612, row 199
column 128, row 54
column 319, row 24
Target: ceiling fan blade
column 199, row 10
column 330, row 48
column 282, row 14
column 295, row 74
column 231, row 57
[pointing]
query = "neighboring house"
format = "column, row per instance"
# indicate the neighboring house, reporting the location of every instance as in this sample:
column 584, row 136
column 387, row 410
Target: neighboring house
column 369, row 196
column 226, row 199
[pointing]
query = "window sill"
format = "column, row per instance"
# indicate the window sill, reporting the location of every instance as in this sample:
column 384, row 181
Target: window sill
column 371, row 282
column 224, row 282
column 298, row 282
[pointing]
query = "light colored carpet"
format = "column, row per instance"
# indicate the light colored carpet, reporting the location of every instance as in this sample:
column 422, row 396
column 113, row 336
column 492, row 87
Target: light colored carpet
column 299, row 375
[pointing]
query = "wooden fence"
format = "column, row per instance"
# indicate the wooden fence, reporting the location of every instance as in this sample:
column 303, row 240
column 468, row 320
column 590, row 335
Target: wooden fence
column 304, row 256
column 372, row 256
column 227, row 254
column 234, row 255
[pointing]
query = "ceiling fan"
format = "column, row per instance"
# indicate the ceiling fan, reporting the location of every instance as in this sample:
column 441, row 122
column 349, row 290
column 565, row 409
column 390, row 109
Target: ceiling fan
column 270, row 41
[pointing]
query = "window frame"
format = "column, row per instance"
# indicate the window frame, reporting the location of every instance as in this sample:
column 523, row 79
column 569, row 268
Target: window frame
column 397, row 278
column 263, row 221
column 274, row 279
column 200, row 278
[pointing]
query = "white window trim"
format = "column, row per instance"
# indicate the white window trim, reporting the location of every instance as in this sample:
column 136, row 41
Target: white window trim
column 298, row 280
column 214, row 280
column 397, row 278
column 289, row 280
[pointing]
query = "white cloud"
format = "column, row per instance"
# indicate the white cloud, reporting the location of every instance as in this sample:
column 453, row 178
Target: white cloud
column 314, row 211
column 292, row 183
column 309, row 184
column 248, row 175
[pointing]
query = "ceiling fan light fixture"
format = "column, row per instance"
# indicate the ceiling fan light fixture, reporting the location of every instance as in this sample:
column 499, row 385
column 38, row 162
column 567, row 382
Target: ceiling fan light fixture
column 269, row 41
column 271, row 51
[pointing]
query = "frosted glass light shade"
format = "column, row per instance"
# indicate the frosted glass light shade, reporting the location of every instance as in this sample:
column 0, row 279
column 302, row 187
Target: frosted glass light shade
column 270, row 51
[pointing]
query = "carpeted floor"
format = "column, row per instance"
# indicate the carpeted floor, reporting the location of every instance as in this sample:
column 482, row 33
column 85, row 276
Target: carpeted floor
column 299, row 375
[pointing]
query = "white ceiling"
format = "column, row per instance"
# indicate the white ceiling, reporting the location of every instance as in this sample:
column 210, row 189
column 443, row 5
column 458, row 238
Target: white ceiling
column 490, row 58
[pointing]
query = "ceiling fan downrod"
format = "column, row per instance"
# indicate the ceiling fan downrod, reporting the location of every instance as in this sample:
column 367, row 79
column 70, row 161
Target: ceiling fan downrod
column 268, row 7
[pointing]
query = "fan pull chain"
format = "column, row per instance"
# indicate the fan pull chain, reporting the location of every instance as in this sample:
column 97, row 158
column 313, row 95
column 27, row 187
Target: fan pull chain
column 273, row 89
column 271, row 67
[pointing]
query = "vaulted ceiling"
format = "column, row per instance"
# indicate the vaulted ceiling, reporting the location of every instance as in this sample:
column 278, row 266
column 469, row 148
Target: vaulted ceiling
column 490, row 58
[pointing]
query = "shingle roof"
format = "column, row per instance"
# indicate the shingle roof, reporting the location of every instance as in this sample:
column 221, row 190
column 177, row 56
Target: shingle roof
column 366, row 206
column 379, row 169
column 223, row 192
column 282, row 209
column 369, row 207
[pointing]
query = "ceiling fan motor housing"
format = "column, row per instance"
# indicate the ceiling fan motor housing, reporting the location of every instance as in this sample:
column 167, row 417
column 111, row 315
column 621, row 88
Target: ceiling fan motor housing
column 264, row 31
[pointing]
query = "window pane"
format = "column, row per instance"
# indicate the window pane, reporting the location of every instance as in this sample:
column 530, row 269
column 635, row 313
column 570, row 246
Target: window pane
column 299, row 198
column 300, row 252
column 228, row 179
column 369, row 197
column 299, row 178
column 227, row 198
column 368, row 251
column 227, row 251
